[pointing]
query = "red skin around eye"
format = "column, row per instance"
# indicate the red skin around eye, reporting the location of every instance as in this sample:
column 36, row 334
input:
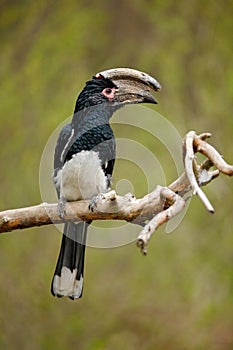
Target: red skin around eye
column 109, row 93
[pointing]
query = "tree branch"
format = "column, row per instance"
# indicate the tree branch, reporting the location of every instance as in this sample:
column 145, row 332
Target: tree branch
column 151, row 211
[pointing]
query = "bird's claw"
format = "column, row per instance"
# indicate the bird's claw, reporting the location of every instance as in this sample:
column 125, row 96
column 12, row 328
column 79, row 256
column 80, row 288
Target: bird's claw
column 94, row 202
column 61, row 208
column 108, row 196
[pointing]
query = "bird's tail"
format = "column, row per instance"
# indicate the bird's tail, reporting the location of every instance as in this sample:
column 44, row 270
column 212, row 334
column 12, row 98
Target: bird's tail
column 68, row 276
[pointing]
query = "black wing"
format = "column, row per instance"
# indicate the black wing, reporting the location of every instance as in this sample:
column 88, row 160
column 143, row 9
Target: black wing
column 64, row 142
column 99, row 138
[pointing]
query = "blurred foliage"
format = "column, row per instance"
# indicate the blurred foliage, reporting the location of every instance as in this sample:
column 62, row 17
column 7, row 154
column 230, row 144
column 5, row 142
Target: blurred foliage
column 181, row 295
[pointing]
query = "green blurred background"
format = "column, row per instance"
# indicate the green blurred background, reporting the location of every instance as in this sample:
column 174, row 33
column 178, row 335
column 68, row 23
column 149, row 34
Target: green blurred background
column 181, row 295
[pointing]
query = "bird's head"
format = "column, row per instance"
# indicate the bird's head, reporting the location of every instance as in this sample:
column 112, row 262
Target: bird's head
column 118, row 87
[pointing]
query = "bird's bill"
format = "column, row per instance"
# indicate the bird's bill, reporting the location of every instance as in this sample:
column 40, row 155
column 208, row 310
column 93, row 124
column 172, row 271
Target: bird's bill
column 133, row 86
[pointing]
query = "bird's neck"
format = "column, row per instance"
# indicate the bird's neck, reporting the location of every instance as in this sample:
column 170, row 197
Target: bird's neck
column 98, row 114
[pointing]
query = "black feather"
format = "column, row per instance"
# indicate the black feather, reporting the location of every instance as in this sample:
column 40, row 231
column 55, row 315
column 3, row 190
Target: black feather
column 88, row 130
column 91, row 94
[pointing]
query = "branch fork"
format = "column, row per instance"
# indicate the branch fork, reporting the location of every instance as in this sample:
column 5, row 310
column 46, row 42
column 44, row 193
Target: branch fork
column 150, row 211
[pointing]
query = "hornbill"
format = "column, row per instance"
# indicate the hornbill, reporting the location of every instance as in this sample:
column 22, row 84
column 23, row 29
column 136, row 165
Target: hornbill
column 84, row 160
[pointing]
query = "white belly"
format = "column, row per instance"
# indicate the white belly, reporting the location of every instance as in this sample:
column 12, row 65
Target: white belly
column 82, row 177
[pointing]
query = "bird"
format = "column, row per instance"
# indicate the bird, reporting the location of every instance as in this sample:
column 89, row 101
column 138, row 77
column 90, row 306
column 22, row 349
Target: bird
column 84, row 160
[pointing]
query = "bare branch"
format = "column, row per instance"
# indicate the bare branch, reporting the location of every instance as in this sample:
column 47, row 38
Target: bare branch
column 213, row 155
column 151, row 211
column 178, row 203
column 189, row 161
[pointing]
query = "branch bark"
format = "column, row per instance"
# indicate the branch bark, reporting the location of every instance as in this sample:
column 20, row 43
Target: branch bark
column 151, row 211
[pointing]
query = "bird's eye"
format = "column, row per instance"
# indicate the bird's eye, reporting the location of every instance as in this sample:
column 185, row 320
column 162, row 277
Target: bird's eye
column 108, row 91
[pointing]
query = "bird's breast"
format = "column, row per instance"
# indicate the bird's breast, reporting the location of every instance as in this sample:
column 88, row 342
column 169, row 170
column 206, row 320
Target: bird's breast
column 82, row 177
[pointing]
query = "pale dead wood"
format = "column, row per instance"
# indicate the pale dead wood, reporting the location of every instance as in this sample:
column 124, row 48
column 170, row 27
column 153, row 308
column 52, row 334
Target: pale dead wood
column 150, row 211
column 190, row 166
column 177, row 203
column 194, row 177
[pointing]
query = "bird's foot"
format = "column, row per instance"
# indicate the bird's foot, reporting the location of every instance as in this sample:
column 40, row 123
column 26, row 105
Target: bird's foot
column 62, row 208
column 109, row 196
column 94, row 202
